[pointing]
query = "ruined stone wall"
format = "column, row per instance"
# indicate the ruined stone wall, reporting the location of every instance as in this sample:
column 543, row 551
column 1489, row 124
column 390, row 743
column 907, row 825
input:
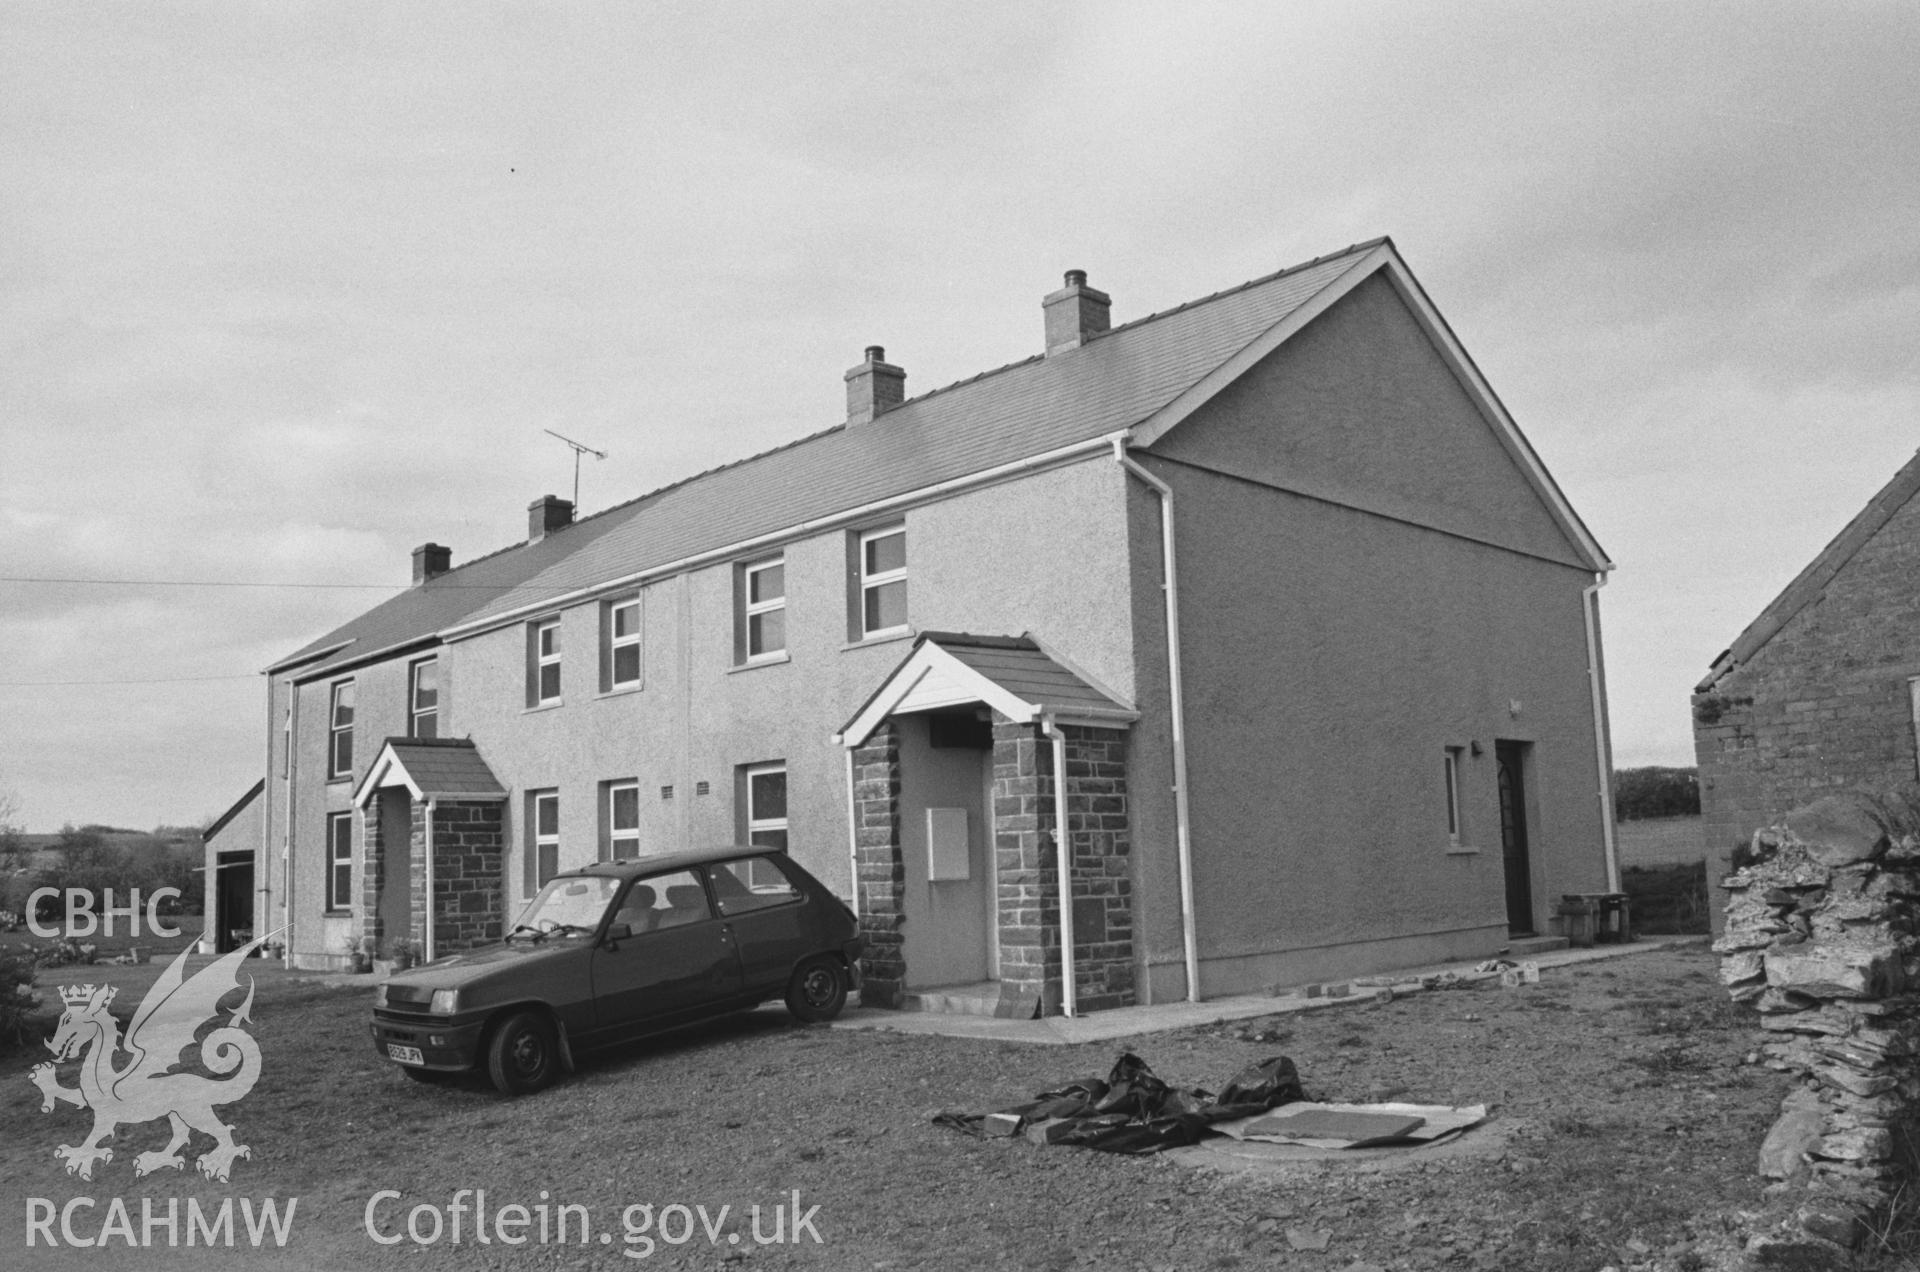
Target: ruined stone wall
column 1820, row 939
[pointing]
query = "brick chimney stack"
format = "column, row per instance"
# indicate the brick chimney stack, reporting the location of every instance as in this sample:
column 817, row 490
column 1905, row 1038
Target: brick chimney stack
column 1075, row 314
column 430, row 561
column 547, row 514
column 874, row 387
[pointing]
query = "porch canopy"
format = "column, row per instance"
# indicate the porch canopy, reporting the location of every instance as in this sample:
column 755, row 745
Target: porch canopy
column 1015, row 675
column 432, row 770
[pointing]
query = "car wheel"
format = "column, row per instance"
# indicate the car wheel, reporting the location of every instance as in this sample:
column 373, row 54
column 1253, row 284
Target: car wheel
column 524, row 1055
column 818, row 989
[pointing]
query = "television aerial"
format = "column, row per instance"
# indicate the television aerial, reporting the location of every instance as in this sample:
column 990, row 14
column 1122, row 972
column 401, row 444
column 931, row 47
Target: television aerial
column 579, row 449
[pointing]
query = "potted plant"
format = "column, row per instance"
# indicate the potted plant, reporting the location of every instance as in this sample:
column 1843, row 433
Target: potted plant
column 406, row 951
column 359, row 959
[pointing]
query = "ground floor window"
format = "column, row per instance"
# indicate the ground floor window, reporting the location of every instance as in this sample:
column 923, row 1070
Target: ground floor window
column 543, row 837
column 766, row 805
column 622, row 813
column 340, row 861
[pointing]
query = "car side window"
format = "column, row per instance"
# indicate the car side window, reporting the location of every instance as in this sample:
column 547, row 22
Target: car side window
column 752, row 883
column 676, row 900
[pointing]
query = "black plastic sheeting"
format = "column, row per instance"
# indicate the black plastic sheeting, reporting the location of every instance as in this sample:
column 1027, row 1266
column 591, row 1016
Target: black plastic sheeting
column 1133, row 1111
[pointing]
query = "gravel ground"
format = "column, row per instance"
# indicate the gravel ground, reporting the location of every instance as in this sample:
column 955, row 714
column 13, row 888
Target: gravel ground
column 1626, row 1114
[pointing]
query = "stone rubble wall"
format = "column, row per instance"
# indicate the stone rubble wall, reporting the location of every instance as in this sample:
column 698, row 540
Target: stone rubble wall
column 1820, row 939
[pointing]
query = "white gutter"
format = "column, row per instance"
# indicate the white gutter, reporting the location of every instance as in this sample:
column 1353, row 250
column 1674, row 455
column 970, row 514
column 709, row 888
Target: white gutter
column 985, row 477
column 427, row 937
column 1063, row 863
column 1170, row 587
column 853, row 834
column 1590, row 614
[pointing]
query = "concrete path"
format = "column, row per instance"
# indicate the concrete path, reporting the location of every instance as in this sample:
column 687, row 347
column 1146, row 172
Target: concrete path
column 1126, row 1022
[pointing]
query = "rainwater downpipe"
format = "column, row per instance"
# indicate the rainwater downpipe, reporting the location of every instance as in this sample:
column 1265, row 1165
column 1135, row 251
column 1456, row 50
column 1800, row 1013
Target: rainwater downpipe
column 286, row 836
column 853, row 836
column 1590, row 613
column 427, row 935
column 1063, row 864
column 1170, row 587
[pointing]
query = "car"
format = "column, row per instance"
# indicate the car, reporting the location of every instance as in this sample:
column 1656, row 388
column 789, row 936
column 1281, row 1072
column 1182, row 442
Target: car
column 619, row 950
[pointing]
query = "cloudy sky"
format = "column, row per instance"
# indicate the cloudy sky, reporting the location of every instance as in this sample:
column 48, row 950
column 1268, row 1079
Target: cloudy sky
column 287, row 289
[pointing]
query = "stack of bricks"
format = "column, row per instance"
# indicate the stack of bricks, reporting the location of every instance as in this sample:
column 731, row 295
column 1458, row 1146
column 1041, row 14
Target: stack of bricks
column 1821, row 939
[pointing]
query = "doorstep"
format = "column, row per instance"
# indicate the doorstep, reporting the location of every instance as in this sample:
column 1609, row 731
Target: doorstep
column 978, row 999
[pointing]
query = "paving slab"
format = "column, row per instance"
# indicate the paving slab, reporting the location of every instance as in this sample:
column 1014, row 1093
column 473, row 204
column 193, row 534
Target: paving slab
column 1128, row 1022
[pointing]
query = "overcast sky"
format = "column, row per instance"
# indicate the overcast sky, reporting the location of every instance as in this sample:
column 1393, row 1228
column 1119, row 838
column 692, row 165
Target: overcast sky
column 287, row 289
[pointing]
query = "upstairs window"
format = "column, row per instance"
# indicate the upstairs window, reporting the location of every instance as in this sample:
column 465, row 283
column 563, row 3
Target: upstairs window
column 766, row 805
column 623, row 644
column 622, row 813
column 423, row 697
column 763, row 598
column 340, row 861
column 883, row 581
column 543, row 838
column 543, row 662
column 340, row 731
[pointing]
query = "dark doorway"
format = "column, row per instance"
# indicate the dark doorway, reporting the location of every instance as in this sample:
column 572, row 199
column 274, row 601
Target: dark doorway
column 231, row 922
column 395, row 881
column 1513, row 836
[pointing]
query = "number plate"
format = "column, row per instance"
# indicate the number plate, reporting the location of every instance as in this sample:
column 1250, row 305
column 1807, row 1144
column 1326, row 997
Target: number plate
column 405, row 1055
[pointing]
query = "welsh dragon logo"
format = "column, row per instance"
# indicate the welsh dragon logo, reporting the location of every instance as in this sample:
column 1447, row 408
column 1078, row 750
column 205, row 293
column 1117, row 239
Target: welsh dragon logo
column 147, row 1086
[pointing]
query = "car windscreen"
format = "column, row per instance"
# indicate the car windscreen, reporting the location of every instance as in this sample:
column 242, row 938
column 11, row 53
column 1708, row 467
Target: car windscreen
column 568, row 903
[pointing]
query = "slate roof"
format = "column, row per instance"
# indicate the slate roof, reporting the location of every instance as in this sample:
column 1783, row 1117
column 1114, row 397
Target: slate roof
column 239, row 806
column 445, row 768
column 1114, row 381
column 1812, row 581
column 1018, row 665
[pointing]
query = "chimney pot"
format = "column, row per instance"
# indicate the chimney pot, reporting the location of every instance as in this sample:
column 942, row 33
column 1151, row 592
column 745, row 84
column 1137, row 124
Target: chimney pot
column 874, row 387
column 1076, row 313
column 547, row 514
column 430, row 560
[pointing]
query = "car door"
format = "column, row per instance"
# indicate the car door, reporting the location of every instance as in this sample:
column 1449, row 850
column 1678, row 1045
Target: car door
column 767, row 911
column 677, row 962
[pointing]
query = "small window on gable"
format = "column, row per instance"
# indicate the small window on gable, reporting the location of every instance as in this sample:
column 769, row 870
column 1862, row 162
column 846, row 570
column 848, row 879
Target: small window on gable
column 620, row 644
column 762, row 624
column 543, row 838
column 1913, row 703
column 1451, row 767
column 423, row 698
column 340, row 731
column 621, row 809
column 883, row 581
column 340, row 861
column 543, row 662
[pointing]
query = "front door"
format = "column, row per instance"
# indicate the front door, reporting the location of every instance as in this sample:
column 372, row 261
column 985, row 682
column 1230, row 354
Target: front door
column 395, row 906
column 946, row 838
column 1511, row 757
column 233, row 900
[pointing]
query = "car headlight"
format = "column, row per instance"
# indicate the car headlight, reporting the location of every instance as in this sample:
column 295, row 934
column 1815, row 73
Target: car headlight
column 380, row 994
column 445, row 1002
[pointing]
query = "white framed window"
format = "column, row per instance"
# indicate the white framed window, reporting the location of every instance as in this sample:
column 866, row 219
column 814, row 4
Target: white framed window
column 423, row 698
column 621, row 809
column 766, row 805
column 883, row 581
column 543, row 838
column 543, row 662
column 340, row 730
column 764, row 599
column 340, row 861
column 623, row 644
column 1913, row 705
column 1452, row 777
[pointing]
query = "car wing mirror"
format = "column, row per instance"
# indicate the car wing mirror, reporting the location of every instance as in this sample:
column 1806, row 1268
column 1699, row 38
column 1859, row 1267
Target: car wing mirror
column 618, row 932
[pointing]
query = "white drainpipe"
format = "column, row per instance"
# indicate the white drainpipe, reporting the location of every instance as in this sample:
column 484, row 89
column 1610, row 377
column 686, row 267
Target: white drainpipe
column 1182, row 819
column 427, row 934
column 1063, row 863
column 286, row 841
column 1590, row 613
column 853, row 834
